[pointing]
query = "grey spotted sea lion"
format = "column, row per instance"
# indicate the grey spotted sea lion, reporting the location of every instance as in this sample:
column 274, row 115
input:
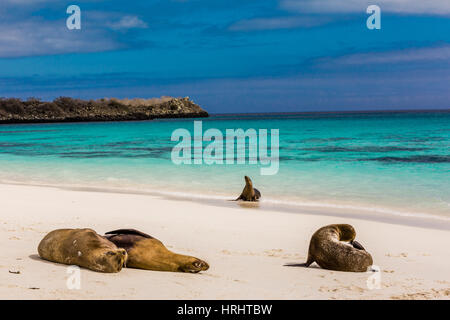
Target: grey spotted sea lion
column 146, row 252
column 249, row 193
column 328, row 250
column 84, row 248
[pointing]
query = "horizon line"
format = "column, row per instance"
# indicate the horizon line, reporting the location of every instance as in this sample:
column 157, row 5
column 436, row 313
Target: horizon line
column 337, row 111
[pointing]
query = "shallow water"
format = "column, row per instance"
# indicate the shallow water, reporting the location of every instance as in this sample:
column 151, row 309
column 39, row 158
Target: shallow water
column 392, row 163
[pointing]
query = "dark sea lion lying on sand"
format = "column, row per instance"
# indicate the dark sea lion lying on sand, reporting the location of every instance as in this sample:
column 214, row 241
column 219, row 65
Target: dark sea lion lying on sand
column 329, row 252
column 146, row 252
column 249, row 193
column 84, row 248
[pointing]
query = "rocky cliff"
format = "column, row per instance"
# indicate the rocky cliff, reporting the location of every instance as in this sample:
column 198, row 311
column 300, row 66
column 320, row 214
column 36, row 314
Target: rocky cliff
column 65, row 109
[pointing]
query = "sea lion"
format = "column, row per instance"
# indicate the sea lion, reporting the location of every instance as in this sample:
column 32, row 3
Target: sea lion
column 146, row 252
column 329, row 252
column 84, row 248
column 249, row 193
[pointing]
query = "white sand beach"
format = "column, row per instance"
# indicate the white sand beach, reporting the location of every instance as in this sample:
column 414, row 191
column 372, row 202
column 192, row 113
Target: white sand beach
column 248, row 250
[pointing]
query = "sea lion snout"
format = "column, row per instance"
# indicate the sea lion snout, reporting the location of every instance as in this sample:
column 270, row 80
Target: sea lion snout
column 196, row 266
column 124, row 254
column 202, row 265
column 115, row 260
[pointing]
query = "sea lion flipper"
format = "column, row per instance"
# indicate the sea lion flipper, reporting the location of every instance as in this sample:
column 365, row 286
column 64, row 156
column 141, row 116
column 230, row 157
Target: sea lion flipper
column 357, row 245
column 309, row 261
column 130, row 231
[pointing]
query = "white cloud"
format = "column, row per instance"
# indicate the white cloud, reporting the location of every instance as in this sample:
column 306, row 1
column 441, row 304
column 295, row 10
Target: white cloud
column 35, row 37
column 21, row 37
column 430, row 54
column 277, row 23
column 26, row 2
column 435, row 7
column 128, row 22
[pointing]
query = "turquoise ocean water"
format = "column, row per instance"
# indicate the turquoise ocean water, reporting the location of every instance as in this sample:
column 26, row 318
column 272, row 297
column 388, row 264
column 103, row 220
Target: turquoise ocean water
column 389, row 163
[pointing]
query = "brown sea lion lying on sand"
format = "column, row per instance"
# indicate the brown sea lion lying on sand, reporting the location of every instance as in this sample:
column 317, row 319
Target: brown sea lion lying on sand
column 249, row 193
column 146, row 252
column 84, row 248
column 329, row 252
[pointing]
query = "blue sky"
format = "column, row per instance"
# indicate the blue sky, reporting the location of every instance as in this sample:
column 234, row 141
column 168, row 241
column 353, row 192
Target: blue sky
column 231, row 56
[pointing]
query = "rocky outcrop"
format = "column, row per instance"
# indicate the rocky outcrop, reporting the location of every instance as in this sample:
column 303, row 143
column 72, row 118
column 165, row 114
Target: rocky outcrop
column 65, row 109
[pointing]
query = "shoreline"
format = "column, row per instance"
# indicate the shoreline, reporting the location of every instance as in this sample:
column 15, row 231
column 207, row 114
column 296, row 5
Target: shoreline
column 421, row 220
column 253, row 254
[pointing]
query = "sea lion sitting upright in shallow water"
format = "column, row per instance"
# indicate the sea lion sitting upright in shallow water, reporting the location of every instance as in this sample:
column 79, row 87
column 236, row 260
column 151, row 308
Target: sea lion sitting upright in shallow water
column 329, row 252
column 249, row 193
column 84, row 248
column 146, row 252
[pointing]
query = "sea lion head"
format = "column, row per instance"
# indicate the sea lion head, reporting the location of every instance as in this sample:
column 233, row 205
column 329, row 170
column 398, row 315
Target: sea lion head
column 346, row 232
column 248, row 180
column 112, row 260
column 195, row 265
